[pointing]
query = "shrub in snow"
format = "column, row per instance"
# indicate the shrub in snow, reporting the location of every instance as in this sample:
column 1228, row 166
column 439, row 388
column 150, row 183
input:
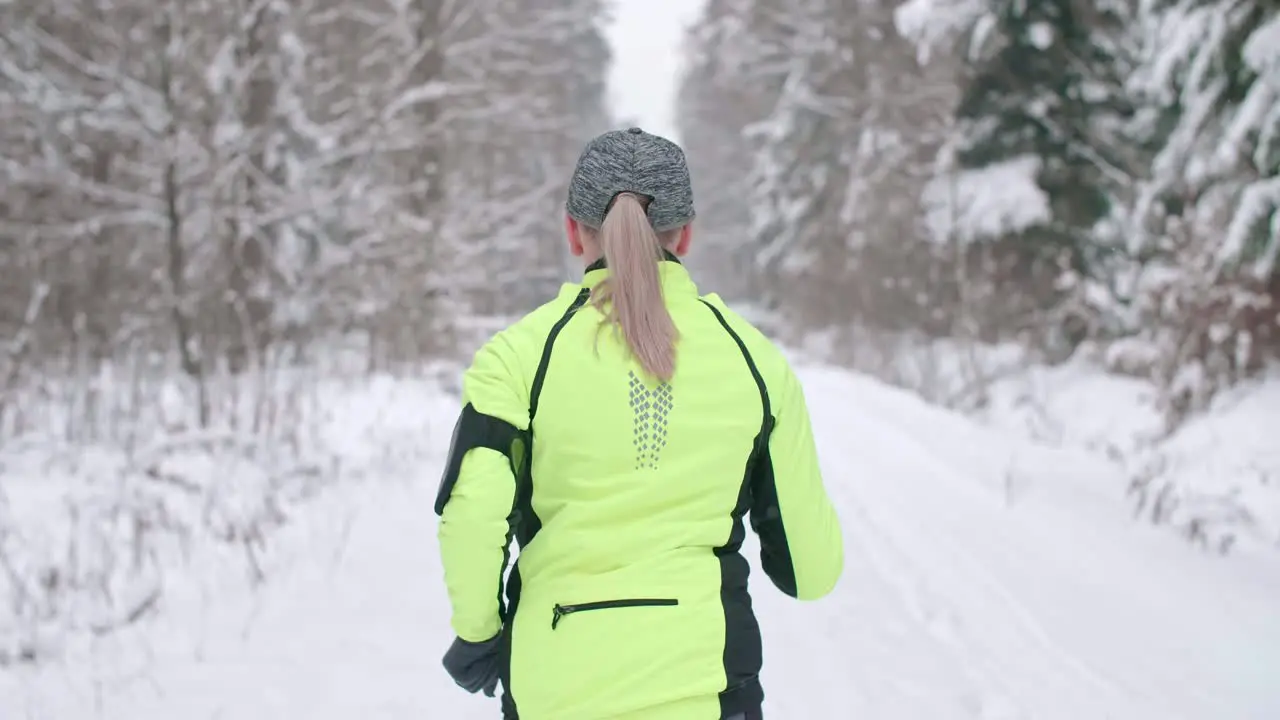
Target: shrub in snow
column 1217, row 478
column 86, row 539
column 1200, row 328
column 92, row 533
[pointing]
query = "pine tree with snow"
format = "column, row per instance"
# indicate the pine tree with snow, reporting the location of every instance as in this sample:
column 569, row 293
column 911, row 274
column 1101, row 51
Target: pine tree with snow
column 1211, row 98
column 1045, row 94
column 1206, row 222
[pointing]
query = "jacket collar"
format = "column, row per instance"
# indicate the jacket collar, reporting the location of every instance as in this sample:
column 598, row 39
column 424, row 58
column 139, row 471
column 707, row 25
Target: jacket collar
column 667, row 256
column 671, row 272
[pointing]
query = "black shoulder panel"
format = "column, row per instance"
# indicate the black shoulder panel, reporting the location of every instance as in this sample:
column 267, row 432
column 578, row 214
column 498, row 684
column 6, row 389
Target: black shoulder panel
column 477, row 430
column 743, row 652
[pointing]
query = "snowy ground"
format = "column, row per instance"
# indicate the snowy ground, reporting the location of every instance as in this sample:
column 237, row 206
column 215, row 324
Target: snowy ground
column 987, row 578
column 1217, row 475
column 1214, row 480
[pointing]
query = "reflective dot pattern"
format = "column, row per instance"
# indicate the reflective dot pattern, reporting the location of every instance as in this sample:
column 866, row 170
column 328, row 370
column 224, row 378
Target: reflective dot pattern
column 651, row 408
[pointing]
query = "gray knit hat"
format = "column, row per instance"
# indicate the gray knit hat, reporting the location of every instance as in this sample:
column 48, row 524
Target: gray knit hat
column 632, row 161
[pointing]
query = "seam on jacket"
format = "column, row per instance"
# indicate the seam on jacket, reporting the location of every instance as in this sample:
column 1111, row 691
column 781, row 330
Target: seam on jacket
column 523, row 524
column 742, row 656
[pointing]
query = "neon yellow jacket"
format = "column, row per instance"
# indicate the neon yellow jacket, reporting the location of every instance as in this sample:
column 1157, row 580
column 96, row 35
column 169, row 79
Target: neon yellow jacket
column 629, row 596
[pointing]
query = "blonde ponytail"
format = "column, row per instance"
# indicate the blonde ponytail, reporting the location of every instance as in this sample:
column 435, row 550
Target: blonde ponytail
column 631, row 296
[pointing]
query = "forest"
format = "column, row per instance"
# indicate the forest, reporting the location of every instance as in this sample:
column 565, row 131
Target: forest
column 229, row 228
column 1070, row 176
column 221, row 221
column 216, row 185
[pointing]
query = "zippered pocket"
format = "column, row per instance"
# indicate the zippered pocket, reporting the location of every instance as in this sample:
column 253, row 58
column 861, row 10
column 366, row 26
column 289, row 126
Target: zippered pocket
column 561, row 610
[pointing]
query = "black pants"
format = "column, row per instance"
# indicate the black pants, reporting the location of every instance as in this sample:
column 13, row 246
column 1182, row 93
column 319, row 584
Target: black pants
column 753, row 714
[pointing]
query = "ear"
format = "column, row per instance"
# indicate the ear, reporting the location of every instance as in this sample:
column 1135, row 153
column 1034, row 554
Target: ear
column 682, row 243
column 574, row 232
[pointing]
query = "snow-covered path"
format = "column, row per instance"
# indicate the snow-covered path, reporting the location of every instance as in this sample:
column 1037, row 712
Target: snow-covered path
column 989, row 579
column 985, row 579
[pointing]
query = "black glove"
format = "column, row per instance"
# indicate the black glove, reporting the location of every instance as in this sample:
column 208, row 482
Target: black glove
column 474, row 666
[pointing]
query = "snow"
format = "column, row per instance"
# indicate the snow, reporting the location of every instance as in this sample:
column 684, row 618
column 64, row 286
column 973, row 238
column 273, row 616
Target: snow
column 986, row 202
column 1214, row 151
column 1225, row 465
column 1077, row 406
column 1262, row 49
column 91, row 528
column 1258, row 210
column 930, row 23
column 988, row 577
column 1217, row 475
column 1041, row 35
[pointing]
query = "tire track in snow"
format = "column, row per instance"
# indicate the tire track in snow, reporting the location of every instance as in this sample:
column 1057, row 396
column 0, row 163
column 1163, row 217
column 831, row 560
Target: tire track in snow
column 947, row 493
column 933, row 617
column 1022, row 614
column 941, row 619
column 977, row 570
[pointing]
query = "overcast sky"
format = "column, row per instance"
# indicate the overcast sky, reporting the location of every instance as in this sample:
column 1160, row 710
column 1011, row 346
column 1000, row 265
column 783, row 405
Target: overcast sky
column 646, row 37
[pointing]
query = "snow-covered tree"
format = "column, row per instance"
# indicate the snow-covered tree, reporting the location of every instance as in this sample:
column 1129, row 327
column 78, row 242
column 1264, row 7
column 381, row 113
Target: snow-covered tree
column 736, row 63
column 1211, row 97
column 814, row 128
column 1204, row 296
column 1044, row 109
column 199, row 194
column 1135, row 148
column 231, row 175
column 802, row 165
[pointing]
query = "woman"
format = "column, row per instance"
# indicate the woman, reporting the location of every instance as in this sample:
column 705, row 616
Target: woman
column 620, row 433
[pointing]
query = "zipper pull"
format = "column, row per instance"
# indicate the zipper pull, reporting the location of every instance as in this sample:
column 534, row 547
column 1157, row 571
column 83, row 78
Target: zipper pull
column 558, row 612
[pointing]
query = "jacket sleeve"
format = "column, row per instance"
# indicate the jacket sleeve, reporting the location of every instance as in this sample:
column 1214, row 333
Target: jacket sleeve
column 801, row 549
column 476, row 501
